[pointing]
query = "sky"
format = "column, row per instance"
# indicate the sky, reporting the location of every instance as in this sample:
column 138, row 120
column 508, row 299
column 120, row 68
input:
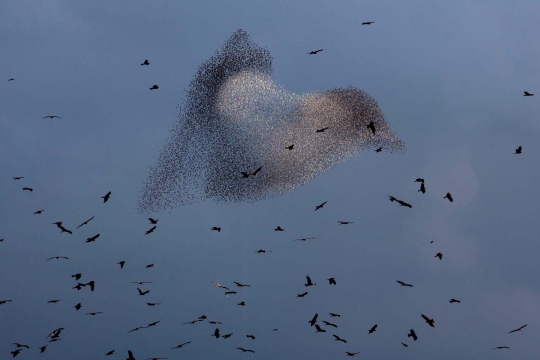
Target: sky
column 449, row 78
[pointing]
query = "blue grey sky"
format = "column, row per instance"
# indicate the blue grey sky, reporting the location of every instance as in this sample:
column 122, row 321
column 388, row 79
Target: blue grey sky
column 449, row 78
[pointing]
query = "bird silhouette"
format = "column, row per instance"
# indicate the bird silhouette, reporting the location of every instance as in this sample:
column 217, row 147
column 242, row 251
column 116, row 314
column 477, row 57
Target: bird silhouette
column 371, row 126
column 94, row 313
column 501, row 347
column 152, row 221
column 245, row 350
column 86, row 222
column 141, row 282
column 150, row 265
column 314, row 52
column 279, row 228
column 130, row 356
column 449, row 197
column 252, row 337
column 439, row 255
column 331, row 281
column 290, row 147
column 106, row 197
column 18, row 177
column 319, row 329
column 345, row 222
column 16, row 352
column 43, row 348
column 58, row 257
column 109, row 353
column 404, row 284
column 76, row 276
column 309, row 283
column 304, row 239
column 179, row 346
column 314, row 319
column 93, row 238
column 322, row 129
column 21, row 346
column 329, row 324
column 518, row 329
column 91, row 284
column 400, row 202
column 454, row 301
column 378, row 149
column 262, row 251
column 121, row 263
column 226, row 336
column 142, row 292
column 429, row 321
column 337, row 338
column 28, row 189
column 518, row 150
column 153, row 324
column 51, row 117
column 153, row 304
column 412, row 334
column 351, row 353
column 2, row 302
column 526, row 93
column 420, row 180
column 146, row 62
column 320, row 206
column 151, row 230
column 38, row 212
column 402, row 343
column 334, row 315
column 11, row 79
column 78, row 306
column 302, row 295
column 242, row 303
column 241, row 285
column 422, row 188
column 154, row 87
column 368, row 22
column 215, row 228
column 373, row 329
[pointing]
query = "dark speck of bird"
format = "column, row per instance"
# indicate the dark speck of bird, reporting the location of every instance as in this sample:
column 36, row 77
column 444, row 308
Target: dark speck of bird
column 154, row 87
column 315, row 52
column 106, row 197
column 449, row 197
column 526, row 93
column 145, row 62
column 518, row 150
column 368, row 22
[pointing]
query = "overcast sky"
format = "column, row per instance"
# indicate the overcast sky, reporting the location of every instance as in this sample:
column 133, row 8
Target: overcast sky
column 449, row 78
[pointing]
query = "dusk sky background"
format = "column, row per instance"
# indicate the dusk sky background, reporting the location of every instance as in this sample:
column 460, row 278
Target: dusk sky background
column 449, row 78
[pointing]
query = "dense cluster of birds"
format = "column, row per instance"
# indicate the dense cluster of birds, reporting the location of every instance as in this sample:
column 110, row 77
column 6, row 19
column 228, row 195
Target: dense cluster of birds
column 236, row 119
column 225, row 165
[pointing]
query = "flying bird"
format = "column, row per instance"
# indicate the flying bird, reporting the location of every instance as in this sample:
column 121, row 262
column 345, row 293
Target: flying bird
column 76, row 276
column 154, row 87
column 51, row 117
column 152, row 221
column 351, row 353
column 215, row 228
column 345, row 222
column 150, row 265
column 518, row 150
column 91, row 284
column 449, row 197
column 422, row 188
column 329, row 324
column 304, row 239
column 339, row 339
column 93, row 238
column 146, row 62
column 78, row 306
column 314, row 319
column 58, row 257
column 151, row 230
column 43, row 348
column 153, row 304
column 142, row 292
column 242, row 303
column 94, row 313
column 121, row 263
column 331, row 281
column 404, row 284
column 2, row 302
column 371, row 126
column 372, row 330
column 290, row 147
column 322, row 130
column 518, row 329
column 368, row 22
column 28, row 189
column 402, row 343
column 501, row 347
column 251, row 336
column 21, row 346
column 429, row 321
column 18, row 177
column 153, row 324
column 16, row 352
column 454, row 301
column 279, row 228
column 141, row 282
column 109, row 353
column 262, row 251
column 130, row 356
column 334, row 315
column 309, row 283
column 526, row 93
column 11, row 79
column 86, row 222
column 439, row 255
column 38, row 212
column 314, row 52
column 412, row 334
column 319, row 329
column 400, row 202
column 240, row 284
column 226, row 336
column 106, row 197
column 378, row 149
column 179, row 346
column 245, row 350
column 302, row 295
column 320, row 206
